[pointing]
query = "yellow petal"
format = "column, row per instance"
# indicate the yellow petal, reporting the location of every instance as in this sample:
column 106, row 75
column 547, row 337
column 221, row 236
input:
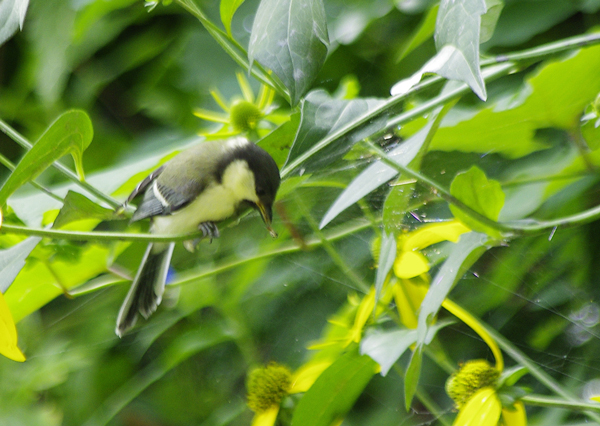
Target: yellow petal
column 364, row 311
column 515, row 417
column 266, row 418
column 408, row 298
column 476, row 326
column 434, row 233
column 306, row 375
column 410, row 264
column 8, row 334
column 595, row 398
column 483, row 409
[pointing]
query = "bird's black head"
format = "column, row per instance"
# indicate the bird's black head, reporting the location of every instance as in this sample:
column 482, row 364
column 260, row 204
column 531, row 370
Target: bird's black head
column 266, row 178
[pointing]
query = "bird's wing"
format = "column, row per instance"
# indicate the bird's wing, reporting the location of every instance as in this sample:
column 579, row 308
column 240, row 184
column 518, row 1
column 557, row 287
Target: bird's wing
column 160, row 200
column 143, row 185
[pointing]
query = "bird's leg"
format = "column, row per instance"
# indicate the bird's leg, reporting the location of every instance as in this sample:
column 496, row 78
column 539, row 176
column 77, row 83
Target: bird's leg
column 209, row 229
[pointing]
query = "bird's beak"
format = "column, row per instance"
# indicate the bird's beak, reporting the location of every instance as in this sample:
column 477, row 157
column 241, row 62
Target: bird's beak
column 267, row 215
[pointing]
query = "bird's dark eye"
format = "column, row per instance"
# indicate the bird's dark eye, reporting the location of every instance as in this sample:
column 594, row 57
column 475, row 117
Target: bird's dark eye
column 260, row 192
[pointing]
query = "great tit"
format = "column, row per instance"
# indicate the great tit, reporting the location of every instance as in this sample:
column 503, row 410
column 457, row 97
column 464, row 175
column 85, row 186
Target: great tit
column 204, row 184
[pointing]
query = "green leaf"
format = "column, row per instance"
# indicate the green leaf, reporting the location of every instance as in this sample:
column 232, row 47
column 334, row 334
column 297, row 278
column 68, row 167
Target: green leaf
column 323, row 115
column 398, row 201
column 290, row 38
column 422, row 34
column 554, row 96
column 71, row 133
column 37, row 285
column 228, row 8
column 12, row 261
column 469, row 248
column 279, row 141
column 333, row 394
column 457, row 32
column 79, row 207
column 490, row 18
column 481, row 194
column 12, row 15
column 412, row 376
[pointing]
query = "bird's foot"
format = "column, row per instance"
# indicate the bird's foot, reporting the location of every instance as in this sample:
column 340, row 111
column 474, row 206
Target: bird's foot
column 209, row 230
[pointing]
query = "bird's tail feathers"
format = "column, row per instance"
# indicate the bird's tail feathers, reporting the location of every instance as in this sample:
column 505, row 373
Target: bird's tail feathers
column 147, row 287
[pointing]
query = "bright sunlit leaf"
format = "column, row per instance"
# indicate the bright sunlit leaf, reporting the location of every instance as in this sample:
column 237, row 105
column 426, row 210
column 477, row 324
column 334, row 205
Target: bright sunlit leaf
column 481, row 194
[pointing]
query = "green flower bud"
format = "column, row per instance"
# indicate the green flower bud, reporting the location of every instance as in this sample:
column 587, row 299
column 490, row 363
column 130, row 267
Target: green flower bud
column 267, row 386
column 244, row 115
column 472, row 376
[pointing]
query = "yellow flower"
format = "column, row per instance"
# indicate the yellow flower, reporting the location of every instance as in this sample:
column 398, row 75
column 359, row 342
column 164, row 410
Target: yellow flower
column 409, row 261
column 474, row 389
column 241, row 115
column 411, row 266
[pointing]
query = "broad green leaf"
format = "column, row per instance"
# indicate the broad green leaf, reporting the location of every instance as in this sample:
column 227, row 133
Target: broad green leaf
column 323, row 115
column 333, row 394
column 12, row 261
column 490, row 18
column 555, row 96
column 79, row 207
column 8, row 334
column 12, row 15
column 36, row 285
column 387, row 255
column 71, row 133
column 457, row 32
column 481, row 194
column 228, row 8
column 290, row 38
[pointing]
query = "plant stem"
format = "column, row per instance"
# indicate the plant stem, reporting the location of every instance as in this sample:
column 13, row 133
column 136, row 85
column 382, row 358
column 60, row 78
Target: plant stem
column 548, row 401
column 546, row 49
column 21, row 140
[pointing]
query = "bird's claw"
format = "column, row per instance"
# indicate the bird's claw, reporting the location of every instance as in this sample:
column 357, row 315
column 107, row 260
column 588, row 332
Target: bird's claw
column 209, row 230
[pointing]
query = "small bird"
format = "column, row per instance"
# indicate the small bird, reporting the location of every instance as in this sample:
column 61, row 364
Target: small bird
column 204, row 184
